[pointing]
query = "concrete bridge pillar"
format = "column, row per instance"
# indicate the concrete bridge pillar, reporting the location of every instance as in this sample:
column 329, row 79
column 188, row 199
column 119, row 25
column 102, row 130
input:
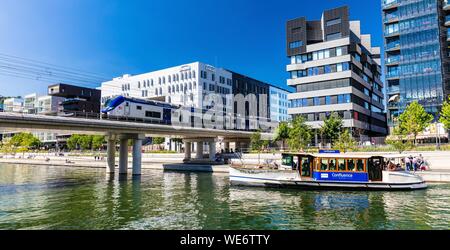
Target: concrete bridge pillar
column 123, row 156
column 111, row 154
column 199, row 153
column 137, row 156
column 187, row 150
column 212, row 150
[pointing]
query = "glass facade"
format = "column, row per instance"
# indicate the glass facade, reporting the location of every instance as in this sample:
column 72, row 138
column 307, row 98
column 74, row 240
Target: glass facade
column 413, row 54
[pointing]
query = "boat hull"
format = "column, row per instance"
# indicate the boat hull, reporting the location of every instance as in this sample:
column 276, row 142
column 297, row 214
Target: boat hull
column 291, row 180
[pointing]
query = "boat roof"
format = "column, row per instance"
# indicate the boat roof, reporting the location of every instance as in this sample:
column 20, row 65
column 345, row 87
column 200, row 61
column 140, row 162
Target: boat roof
column 352, row 155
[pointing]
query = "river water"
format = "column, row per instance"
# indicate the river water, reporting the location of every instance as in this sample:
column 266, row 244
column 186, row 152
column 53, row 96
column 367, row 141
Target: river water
column 47, row 197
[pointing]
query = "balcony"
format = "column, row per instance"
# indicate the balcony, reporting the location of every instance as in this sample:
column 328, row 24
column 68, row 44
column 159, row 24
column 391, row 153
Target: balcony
column 390, row 4
column 393, row 90
column 393, row 34
column 392, row 60
column 392, row 76
column 391, row 17
column 393, row 47
column 447, row 21
column 391, row 20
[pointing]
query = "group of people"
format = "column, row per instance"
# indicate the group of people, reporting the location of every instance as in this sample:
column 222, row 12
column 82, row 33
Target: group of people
column 414, row 163
column 410, row 163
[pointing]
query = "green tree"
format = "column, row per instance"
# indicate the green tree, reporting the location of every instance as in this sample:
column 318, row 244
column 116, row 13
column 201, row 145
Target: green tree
column 282, row 133
column 299, row 134
column 23, row 142
column 414, row 120
column 98, row 141
column 257, row 143
column 86, row 142
column 158, row 140
column 345, row 142
column 398, row 140
column 332, row 127
column 445, row 115
column 73, row 142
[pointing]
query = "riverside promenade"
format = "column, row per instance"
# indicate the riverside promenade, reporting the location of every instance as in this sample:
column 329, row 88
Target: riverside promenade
column 439, row 162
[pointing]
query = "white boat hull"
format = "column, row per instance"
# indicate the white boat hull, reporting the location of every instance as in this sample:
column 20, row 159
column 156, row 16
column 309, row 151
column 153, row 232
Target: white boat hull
column 291, row 179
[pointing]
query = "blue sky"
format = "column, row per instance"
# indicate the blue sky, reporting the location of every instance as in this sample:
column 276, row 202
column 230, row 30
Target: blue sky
column 115, row 37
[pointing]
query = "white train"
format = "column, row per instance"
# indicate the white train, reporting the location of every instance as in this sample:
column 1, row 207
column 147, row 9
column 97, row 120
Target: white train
column 133, row 109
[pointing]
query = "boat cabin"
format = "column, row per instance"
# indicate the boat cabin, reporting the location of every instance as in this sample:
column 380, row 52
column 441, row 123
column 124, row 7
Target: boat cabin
column 341, row 167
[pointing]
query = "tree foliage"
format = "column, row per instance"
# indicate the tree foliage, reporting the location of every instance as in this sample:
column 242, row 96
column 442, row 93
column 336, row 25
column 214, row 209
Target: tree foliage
column 445, row 115
column 345, row 142
column 23, row 142
column 73, row 142
column 85, row 142
column 256, row 142
column 158, row 140
column 299, row 134
column 331, row 128
column 414, row 120
column 98, row 141
column 282, row 133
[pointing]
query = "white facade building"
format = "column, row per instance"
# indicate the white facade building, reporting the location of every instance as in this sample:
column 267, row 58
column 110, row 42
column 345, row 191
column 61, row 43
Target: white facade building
column 185, row 85
column 279, row 104
column 29, row 103
column 13, row 105
column 48, row 105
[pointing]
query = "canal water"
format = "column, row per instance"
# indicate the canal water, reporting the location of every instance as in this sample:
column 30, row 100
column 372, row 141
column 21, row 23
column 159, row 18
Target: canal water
column 38, row 197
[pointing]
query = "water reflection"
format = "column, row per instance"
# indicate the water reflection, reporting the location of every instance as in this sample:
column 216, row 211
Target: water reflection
column 61, row 198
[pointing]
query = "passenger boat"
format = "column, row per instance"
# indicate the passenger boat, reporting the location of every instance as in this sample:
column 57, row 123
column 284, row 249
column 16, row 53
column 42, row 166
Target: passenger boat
column 331, row 171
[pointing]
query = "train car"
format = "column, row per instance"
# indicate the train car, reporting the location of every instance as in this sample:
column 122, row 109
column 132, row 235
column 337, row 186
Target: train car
column 133, row 109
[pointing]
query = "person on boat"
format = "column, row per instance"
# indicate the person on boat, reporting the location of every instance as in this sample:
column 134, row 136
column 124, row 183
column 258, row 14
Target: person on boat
column 407, row 163
column 415, row 164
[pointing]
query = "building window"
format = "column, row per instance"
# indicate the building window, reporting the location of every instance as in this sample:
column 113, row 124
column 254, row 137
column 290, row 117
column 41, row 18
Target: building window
column 334, row 36
column 333, row 22
column 296, row 44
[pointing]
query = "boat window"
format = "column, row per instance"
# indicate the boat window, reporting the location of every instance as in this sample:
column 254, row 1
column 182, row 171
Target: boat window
column 287, row 160
column 139, row 107
column 324, row 165
column 351, row 165
column 332, row 165
column 306, row 170
column 341, row 164
column 360, row 165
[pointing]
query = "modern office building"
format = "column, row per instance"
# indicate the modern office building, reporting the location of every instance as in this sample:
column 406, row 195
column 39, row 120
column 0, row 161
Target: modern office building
column 41, row 104
column 77, row 100
column 334, row 68
column 416, row 54
column 260, row 109
column 279, row 104
column 29, row 103
column 13, row 104
column 185, row 85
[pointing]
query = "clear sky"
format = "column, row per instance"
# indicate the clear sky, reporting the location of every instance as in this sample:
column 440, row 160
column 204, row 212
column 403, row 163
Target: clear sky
column 115, row 37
